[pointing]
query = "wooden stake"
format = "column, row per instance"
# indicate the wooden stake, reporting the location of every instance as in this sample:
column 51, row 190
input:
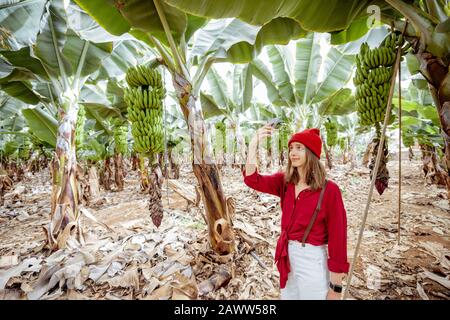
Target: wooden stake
column 400, row 150
column 375, row 170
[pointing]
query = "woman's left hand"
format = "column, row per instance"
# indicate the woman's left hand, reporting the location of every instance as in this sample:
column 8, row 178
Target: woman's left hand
column 331, row 295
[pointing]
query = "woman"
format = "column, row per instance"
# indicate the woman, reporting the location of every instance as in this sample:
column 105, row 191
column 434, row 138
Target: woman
column 313, row 219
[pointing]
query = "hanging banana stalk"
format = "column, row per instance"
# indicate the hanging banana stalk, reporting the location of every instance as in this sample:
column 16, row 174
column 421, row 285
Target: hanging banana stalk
column 332, row 135
column 120, row 149
column 144, row 97
column 374, row 69
column 5, row 184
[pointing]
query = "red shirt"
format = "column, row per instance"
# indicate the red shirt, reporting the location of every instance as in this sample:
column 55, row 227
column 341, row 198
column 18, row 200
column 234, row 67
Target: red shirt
column 329, row 228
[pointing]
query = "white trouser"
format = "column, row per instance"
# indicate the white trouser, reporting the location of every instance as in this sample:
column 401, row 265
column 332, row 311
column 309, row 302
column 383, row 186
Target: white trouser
column 309, row 276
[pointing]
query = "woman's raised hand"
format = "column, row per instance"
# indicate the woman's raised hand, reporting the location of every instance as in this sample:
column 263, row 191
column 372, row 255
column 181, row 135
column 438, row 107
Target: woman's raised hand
column 263, row 132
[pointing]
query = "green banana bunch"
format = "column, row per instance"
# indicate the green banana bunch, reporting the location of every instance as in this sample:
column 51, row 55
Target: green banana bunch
column 220, row 140
column 341, row 143
column 120, row 139
column 332, row 133
column 144, row 98
column 25, row 149
column 143, row 76
column 407, row 138
column 285, row 133
column 374, row 69
column 79, row 128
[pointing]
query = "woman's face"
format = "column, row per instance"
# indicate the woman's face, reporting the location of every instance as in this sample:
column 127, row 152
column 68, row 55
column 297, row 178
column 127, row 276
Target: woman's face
column 297, row 154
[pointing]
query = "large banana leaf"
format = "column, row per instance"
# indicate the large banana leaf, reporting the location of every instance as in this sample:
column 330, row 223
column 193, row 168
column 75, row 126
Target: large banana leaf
column 423, row 111
column 218, row 101
column 337, row 72
column 307, row 66
column 218, row 89
column 51, row 39
column 14, row 15
column 93, row 97
column 88, row 29
column 114, row 93
column 22, row 91
column 238, row 42
column 94, row 53
column 231, row 40
column 226, row 39
column 137, row 14
column 61, row 49
column 337, row 69
column 107, row 15
column 340, row 103
column 373, row 38
column 42, row 124
column 280, row 69
column 125, row 54
column 356, row 30
column 260, row 71
column 25, row 60
column 11, row 119
column 321, row 15
column 210, row 107
column 246, row 88
column 279, row 31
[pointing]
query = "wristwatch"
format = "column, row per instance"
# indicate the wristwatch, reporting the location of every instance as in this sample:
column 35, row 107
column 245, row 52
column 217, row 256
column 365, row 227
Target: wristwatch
column 335, row 287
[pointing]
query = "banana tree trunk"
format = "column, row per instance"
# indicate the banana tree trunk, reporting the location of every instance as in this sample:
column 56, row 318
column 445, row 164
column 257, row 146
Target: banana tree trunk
column 367, row 154
column 431, row 168
column 155, row 196
column 107, row 174
column 5, row 184
column 410, row 154
column 174, row 167
column 328, row 156
column 241, row 147
column 163, row 166
column 118, row 171
column 436, row 71
column 134, row 162
column 143, row 174
column 64, row 201
column 221, row 234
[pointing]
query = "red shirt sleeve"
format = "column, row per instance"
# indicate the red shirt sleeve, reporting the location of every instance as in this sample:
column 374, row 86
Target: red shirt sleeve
column 271, row 184
column 337, row 232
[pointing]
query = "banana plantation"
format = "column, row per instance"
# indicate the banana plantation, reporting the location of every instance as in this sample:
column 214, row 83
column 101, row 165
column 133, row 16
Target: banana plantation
column 125, row 127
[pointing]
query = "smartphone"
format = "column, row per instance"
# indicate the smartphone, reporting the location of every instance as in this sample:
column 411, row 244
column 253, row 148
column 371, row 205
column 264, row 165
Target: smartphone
column 275, row 122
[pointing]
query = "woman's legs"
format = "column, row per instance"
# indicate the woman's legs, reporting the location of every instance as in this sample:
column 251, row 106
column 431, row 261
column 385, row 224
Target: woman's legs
column 309, row 276
column 290, row 292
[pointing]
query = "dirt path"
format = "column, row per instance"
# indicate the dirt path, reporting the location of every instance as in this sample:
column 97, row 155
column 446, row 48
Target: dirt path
column 138, row 261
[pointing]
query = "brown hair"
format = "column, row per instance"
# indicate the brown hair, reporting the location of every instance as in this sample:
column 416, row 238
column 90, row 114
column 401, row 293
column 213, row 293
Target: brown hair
column 314, row 169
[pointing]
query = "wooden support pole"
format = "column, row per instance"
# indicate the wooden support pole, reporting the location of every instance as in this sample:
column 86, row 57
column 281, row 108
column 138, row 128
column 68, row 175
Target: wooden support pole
column 377, row 165
column 399, row 150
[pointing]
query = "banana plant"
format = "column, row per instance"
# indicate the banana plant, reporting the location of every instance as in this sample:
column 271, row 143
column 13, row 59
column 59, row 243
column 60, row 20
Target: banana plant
column 420, row 121
column 47, row 64
column 298, row 85
column 188, row 59
column 223, row 106
column 427, row 31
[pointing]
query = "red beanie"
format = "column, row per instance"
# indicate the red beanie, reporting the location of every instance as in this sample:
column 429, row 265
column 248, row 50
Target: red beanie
column 310, row 138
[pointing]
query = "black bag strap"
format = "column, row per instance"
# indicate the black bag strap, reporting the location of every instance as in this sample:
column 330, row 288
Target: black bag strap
column 316, row 212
